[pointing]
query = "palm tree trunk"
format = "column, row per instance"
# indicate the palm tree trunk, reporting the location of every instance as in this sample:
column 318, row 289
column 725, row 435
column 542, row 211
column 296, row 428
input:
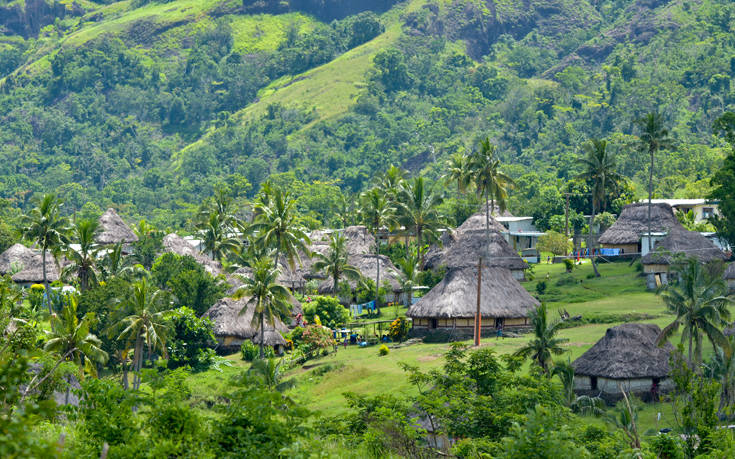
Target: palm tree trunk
column 690, row 346
column 650, row 196
column 591, row 239
column 262, row 336
column 45, row 279
column 377, row 276
column 487, row 215
column 419, row 252
column 138, row 363
column 125, row 383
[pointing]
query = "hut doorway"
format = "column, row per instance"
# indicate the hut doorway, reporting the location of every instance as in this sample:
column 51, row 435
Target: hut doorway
column 499, row 322
column 593, row 382
column 434, row 324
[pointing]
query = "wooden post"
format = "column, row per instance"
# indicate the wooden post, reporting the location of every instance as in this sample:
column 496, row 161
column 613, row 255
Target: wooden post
column 478, row 314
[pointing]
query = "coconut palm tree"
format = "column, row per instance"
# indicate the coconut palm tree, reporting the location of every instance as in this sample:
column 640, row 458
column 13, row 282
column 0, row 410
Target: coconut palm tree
column 392, row 181
column 217, row 236
column 48, row 228
column 458, row 171
column 335, row 263
column 278, row 227
column 544, row 343
column 722, row 368
column 271, row 371
column 143, row 324
column 600, row 169
column 491, row 183
column 410, row 268
column 654, row 137
column 699, row 300
column 70, row 338
column 419, row 211
column 377, row 213
column 269, row 299
column 83, row 260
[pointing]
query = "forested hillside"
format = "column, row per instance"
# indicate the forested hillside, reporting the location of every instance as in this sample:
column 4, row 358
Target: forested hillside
column 151, row 105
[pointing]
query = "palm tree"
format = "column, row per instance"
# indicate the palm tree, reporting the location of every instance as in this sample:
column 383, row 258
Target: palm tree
column 419, row 206
column 83, row 260
column 217, row 236
column 70, row 338
column 458, row 171
column 277, row 226
column 600, row 169
column 335, row 263
column 722, row 368
column 144, row 311
column 46, row 227
column 392, row 181
column 410, row 268
column 268, row 298
column 544, row 342
column 377, row 213
column 699, row 301
column 271, row 371
column 112, row 263
column 492, row 184
column 654, row 137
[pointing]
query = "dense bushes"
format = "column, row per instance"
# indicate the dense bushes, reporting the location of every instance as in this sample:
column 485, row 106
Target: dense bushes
column 191, row 340
column 330, row 312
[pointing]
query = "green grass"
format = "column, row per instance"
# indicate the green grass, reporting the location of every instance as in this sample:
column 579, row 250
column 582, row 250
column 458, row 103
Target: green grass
column 263, row 32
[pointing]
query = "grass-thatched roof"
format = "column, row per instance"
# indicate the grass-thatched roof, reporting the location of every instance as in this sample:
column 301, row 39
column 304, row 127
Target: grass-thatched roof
column 270, row 338
column 28, row 263
column 633, row 223
column 367, row 266
column 227, row 319
column 627, row 351
column 463, row 246
column 456, row 296
column 176, row 244
column 688, row 243
column 113, row 230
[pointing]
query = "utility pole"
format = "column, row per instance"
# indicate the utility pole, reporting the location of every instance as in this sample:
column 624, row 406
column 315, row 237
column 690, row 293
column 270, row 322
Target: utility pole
column 478, row 314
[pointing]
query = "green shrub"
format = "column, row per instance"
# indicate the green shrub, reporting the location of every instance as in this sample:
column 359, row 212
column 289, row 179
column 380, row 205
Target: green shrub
column 383, row 350
column 191, row 340
column 541, row 287
column 569, row 264
column 566, row 280
column 249, row 351
column 331, row 313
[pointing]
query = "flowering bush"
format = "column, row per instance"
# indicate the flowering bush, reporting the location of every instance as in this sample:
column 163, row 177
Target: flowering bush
column 383, row 350
column 399, row 329
column 315, row 338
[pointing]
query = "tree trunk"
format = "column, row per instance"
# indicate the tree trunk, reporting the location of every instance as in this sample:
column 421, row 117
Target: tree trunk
column 690, row 346
column 590, row 243
column 262, row 336
column 377, row 277
column 650, row 196
column 138, row 362
column 487, row 215
column 45, row 279
column 419, row 252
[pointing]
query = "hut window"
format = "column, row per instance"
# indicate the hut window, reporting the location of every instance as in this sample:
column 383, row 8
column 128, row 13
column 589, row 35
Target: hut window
column 593, row 382
column 433, row 323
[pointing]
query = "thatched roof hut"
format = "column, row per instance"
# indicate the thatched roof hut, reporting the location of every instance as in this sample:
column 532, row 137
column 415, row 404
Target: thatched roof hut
column 367, row 266
column 29, row 265
column 173, row 243
column 231, row 327
column 628, row 351
column 688, row 243
column 729, row 273
column 270, row 337
column 452, row 303
column 113, row 229
column 632, row 224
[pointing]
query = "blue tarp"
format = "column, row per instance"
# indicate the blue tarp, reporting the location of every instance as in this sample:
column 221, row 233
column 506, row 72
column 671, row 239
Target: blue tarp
column 609, row 252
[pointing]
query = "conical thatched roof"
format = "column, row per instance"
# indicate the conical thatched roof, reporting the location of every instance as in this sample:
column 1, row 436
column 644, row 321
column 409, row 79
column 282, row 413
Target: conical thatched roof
column 270, row 337
column 29, row 264
column 627, row 351
column 633, row 223
column 469, row 241
column 730, row 271
column 359, row 240
column 176, row 244
column 367, row 266
column 113, row 229
column 456, row 296
column 228, row 321
column 688, row 243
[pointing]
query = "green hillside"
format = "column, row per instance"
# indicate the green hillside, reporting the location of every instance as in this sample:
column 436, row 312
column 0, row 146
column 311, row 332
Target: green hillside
column 150, row 105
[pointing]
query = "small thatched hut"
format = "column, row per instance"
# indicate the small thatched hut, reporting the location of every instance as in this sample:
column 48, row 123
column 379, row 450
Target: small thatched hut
column 271, row 338
column 25, row 265
column 113, row 229
column 678, row 242
column 729, row 276
column 231, row 328
column 626, row 355
column 173, row 243
column 367, row 266
column 452, row 303
column 632, row 224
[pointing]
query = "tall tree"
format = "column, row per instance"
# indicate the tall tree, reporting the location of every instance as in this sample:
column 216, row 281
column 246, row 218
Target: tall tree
column 218, row 236
column 269, row 299
column 392, row 181
column 654, row 137
column 544, row 343
column 458, row 172
column 600, row 169
column 278, row 227
column 723, row 181
column 70, row 338
column 377, row 213
column 699, row 301
column 419, row 211
column 143, row 323
column 84, row 259
column 491, row 183
column 48, row 228
column 335, row 263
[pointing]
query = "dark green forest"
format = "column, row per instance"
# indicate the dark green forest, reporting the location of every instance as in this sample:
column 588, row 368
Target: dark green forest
column 143, row 105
